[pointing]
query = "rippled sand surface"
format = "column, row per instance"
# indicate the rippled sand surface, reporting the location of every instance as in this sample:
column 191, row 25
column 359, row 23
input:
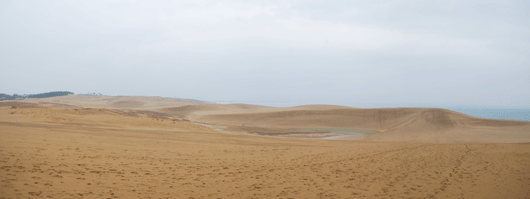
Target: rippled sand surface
column 67, row 152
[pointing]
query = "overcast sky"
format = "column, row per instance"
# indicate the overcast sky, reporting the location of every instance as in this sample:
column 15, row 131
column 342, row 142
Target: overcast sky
column 356, row 53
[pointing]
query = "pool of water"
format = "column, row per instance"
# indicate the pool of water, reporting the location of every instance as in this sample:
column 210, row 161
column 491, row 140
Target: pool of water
column 334, row 130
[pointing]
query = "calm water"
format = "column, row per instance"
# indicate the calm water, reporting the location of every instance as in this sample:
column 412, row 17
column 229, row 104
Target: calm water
column 358, row 131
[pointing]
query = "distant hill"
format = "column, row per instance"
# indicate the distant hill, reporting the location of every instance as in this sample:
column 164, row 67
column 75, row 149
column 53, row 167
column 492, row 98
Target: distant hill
column 4, row 96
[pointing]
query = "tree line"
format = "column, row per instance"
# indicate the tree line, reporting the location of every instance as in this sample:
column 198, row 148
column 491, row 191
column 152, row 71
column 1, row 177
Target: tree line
column 4, row 96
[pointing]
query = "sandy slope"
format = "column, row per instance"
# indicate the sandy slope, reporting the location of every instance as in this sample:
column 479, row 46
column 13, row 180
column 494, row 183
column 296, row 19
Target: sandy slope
column 394, row 124
column 110, row 102
column 174, row 107
column 98, row 152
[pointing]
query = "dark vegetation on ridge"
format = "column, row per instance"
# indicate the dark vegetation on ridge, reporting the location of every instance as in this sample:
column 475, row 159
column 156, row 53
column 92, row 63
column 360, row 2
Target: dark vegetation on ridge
column 4, row 96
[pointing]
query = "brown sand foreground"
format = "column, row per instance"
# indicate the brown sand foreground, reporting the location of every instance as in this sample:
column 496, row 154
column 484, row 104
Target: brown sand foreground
column 66, row 150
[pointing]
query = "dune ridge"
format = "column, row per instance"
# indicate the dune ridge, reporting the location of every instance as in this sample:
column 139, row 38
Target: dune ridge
column 395, row 124
column 392, row 124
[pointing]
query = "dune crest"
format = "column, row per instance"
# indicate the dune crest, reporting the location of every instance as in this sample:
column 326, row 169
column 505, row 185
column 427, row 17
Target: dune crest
column 391, row 124
column 395, row 124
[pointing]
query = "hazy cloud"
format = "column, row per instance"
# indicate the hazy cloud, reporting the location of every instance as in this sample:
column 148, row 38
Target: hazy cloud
column 357, row 53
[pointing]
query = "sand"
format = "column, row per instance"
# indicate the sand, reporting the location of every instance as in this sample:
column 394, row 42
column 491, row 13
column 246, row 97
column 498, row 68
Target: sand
column 67, row 150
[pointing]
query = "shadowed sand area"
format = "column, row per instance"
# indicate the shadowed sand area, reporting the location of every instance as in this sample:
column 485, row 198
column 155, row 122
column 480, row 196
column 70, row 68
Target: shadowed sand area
column 148, row 147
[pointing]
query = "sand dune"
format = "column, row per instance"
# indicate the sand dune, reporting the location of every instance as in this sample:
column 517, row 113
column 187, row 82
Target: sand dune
column 318, row 107
column 390, row 124
column 394, row 124
column 103, row 148
column 175, row 107
column 112, row 102
column 128, row 104
column 191, row 111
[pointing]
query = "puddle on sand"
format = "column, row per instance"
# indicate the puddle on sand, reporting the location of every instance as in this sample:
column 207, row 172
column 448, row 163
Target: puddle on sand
column 211, row 126
column 335, row 130
column 349, row 136
column 325, row 136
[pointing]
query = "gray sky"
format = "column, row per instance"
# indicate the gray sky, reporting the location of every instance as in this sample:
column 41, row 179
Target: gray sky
column 356, row 53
